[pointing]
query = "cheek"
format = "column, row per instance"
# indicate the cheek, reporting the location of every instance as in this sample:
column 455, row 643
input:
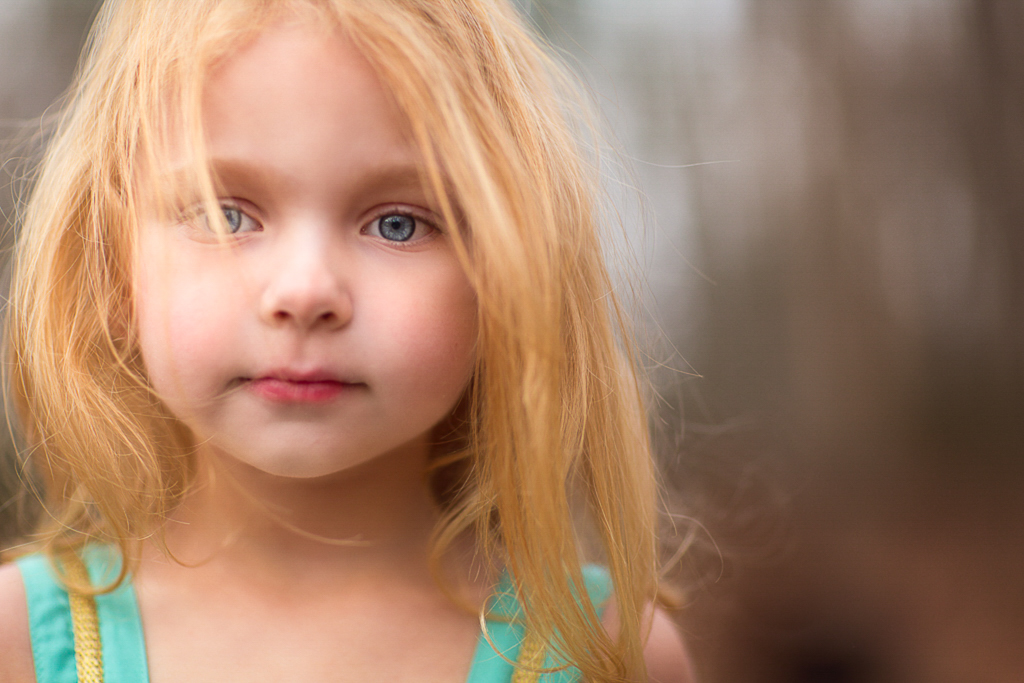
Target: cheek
column 152, row 308
column 435, row 336
column 157, row 339
column 178, row 327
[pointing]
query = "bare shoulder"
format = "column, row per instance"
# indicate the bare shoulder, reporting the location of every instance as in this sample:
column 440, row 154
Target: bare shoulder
column 15, row 645
column 664, row 651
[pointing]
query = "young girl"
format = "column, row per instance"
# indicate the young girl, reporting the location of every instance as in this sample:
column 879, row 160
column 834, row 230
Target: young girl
column 318, row 368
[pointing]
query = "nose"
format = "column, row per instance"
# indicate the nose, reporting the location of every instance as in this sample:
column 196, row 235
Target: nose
column 305, row 289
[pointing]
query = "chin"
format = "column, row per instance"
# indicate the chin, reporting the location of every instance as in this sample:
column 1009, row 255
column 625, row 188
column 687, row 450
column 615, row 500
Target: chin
column 287, row 466
column 305, row 462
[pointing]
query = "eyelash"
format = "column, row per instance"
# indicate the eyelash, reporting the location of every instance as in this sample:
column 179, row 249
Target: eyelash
column 420, row 225
column 197, row 216
column 243, row 216
column 373, row 226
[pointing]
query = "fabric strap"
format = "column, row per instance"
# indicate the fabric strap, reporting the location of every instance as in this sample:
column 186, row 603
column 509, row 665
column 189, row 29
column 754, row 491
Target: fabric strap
column 57, row 626
column 85, row 624
column 506, row 653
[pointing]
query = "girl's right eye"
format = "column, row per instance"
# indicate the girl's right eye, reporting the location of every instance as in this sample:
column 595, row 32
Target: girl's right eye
column 237, row 220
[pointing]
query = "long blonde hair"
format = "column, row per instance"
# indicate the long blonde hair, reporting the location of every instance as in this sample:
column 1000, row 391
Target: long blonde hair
column 554, row 445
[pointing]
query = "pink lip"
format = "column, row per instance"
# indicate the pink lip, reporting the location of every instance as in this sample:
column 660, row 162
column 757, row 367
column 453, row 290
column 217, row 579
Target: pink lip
column 290, row 387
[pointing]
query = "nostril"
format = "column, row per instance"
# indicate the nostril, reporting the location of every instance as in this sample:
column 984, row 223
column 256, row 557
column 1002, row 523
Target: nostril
column 313, row 304
column 323, row 318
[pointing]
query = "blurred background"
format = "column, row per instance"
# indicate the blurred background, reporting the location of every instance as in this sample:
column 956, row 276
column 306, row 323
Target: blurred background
column 832, row 240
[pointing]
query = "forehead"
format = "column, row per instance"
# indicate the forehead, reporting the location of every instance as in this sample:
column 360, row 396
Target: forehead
column 299, row 103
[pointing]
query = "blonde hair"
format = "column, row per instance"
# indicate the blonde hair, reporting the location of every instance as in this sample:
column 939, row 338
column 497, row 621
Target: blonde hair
column 554, row 417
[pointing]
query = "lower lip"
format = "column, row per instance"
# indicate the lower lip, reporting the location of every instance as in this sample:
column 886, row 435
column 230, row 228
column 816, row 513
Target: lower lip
column 287, row 391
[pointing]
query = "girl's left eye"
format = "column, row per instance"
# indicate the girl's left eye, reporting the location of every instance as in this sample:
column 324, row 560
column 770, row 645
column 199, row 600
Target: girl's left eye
column 398, row 227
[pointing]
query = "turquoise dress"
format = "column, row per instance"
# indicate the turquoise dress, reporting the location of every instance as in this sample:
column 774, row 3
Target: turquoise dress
column 124, row 647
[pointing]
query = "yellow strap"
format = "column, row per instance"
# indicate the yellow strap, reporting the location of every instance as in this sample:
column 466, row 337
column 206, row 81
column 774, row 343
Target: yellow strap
column 530, row 661
column 84, row 622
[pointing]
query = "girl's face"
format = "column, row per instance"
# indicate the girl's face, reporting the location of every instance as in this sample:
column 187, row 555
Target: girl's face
column 334, row 324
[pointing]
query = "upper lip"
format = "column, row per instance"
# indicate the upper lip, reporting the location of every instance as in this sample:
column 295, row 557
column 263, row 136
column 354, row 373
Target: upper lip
column 303, row 376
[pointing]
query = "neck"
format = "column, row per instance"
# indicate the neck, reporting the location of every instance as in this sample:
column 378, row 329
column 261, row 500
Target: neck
column 377, row 516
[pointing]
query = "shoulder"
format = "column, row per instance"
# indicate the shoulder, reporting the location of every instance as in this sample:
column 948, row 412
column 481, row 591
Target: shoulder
column 664, row 651
column 665, row 654
column 15, row 645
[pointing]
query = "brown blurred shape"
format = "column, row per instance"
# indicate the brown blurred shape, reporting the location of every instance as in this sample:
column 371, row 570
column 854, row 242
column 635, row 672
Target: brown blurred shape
column 873, row 326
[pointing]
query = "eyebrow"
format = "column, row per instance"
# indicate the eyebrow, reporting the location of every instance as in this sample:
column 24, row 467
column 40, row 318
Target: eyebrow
column 403, row 174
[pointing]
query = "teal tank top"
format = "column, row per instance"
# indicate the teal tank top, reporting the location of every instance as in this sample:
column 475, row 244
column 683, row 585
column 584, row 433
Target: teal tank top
column 124, row 647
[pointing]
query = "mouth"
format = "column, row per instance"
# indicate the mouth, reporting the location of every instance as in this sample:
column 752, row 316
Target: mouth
column 290, row 387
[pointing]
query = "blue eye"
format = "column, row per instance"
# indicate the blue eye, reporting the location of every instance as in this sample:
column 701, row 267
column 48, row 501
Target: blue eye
column 399, row 229
column 233, row 217
column 236, row 220
column 396, row 227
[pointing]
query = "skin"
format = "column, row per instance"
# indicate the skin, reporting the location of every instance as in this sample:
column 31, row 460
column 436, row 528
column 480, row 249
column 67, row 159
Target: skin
column 311, row 356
